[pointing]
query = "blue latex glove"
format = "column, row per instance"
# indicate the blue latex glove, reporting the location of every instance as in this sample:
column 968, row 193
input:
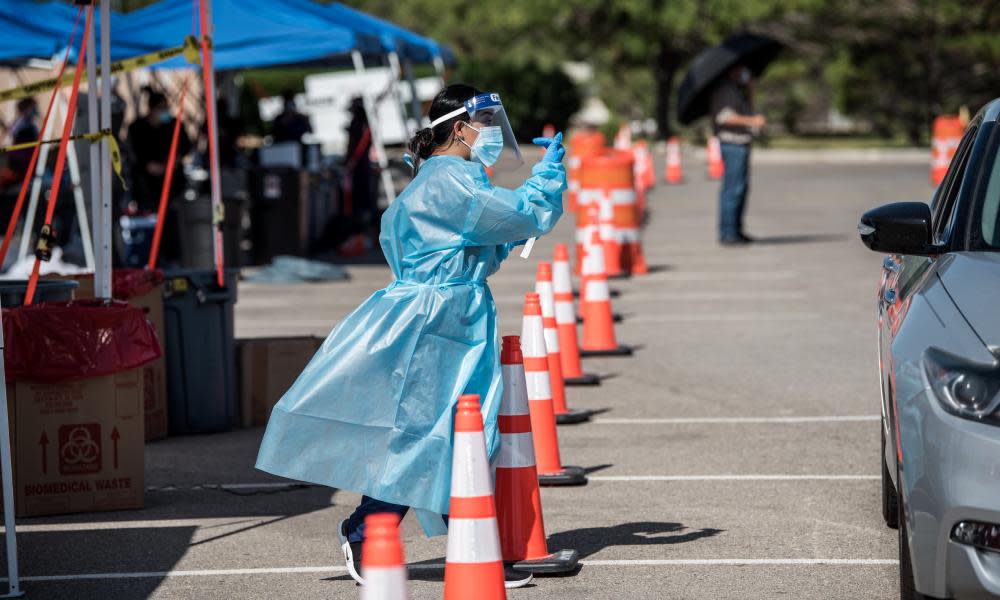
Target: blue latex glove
column 555, row 151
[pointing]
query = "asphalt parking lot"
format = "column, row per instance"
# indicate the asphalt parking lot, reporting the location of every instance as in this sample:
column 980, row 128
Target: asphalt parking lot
column 735, row 455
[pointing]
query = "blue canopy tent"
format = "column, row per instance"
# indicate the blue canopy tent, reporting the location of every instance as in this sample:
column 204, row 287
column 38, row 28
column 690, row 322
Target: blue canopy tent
column 32, row 30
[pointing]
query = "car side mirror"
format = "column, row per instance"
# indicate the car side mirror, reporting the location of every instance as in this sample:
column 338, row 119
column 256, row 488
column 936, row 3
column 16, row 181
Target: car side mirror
column 899, row 228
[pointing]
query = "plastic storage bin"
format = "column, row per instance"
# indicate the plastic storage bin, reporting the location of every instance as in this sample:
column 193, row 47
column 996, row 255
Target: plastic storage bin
column 49, row 290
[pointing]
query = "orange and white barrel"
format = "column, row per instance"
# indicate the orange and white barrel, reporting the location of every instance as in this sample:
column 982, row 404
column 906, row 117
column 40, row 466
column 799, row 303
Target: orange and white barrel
column 607, row 182
column 581, row 144
column 947, row 133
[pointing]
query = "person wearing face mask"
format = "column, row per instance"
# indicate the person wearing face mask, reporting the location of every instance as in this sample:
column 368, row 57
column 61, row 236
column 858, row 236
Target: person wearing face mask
column 372, row 412
column 736, row 124
column 149, row 140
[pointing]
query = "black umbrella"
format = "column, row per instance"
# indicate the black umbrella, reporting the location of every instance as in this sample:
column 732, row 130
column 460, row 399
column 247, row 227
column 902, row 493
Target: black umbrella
column 749, row 49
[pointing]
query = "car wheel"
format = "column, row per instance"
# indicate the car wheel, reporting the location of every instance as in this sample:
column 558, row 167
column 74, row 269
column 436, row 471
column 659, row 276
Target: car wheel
column 907, row 589
column 890, row 499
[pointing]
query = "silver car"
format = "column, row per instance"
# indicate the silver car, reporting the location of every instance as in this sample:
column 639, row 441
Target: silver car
column 939, row 357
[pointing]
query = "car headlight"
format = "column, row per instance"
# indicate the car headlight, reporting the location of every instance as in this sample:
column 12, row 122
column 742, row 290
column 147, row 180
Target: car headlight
column 964, row 388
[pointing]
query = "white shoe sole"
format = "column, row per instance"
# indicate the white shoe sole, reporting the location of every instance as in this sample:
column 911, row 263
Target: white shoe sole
column 345, row 547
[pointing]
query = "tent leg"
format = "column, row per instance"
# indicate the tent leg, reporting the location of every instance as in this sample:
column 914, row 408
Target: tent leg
column 10, row 532
column 102, row 217
column 36, row 189
column 81, row 206
column 415, row 108
column 439, row 69
column 383, row 161
column 396, row 71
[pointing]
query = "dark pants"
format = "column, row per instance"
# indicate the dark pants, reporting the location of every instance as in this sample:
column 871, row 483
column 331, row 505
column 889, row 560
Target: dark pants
column 735, row 184
column 371, row 506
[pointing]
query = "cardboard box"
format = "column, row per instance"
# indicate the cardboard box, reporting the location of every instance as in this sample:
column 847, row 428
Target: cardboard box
column 77, row 446
column 154, row 375
column 267, row 368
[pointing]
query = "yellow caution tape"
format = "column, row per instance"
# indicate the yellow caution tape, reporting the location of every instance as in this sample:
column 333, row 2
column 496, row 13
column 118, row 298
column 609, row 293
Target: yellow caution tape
column 189, row 50
column 116, row 155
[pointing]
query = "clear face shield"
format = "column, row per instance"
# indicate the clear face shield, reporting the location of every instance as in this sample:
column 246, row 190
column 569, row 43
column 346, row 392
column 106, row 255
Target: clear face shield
column 487, row 114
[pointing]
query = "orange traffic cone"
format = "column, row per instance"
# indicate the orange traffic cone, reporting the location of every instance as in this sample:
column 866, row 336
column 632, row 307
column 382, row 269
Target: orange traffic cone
column 947, row 133
column 382, row 559
column 473, row 563
column 543, row 286
column 675, row 173
column 519, row 503
column 543, row 419
column 714, row 156
column 569, row 350
column 598, row 320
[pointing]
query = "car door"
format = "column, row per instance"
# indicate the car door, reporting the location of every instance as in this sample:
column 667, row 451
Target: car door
column 901, row 276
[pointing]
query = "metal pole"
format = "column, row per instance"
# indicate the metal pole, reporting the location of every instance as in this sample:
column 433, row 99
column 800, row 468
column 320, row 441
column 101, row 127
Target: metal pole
column 439, row 68
column 36, row 186
column 102, row 271
column 395, row 73
column 383, row 161
column 415, row 108
column 73, row 162
column 93, row 126
column 10, row 531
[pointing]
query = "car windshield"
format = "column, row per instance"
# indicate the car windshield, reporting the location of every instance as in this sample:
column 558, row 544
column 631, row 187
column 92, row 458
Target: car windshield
column 990, row 220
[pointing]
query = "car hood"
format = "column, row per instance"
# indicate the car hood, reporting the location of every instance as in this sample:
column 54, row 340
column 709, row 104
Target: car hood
column 973, row 281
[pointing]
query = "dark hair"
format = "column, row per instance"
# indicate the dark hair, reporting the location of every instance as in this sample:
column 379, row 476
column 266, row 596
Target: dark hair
column 155, row 99
column 428, row 139
column 25, row 104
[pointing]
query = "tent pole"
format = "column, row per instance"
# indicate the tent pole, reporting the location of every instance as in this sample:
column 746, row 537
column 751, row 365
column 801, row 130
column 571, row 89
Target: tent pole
column 73, row 162
column 415, row 109
column 102, row 271
column 93, row 126
column 439, row 68
column 36, row 187
column 218, row 214
column 396, row 71
column 383, row 161
column 10, row 533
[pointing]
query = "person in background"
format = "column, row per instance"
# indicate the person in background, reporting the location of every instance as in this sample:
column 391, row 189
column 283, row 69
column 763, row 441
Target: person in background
column 149, row 139
column 290, row 125
column 24, row 130
column 359, row 195
column 735, row 124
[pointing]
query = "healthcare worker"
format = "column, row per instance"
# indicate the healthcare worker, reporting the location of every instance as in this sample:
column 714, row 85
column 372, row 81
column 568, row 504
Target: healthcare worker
column 372, row 412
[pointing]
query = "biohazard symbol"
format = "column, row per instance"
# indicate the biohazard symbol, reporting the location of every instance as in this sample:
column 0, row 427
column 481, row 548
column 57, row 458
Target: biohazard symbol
column 80, row 449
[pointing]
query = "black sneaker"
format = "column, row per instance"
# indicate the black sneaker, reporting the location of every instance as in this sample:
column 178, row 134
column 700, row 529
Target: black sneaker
column 352, row 553
column 746, row 238
column 514, row 579
column 733, row 241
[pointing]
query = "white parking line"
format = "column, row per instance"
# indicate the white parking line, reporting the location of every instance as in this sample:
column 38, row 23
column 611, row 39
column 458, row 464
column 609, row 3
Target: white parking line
column 723, row 317
column 738, row 420
column 733, row 477
column 439, row 566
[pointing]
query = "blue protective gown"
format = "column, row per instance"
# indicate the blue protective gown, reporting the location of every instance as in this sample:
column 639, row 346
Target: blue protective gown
column 372, row 411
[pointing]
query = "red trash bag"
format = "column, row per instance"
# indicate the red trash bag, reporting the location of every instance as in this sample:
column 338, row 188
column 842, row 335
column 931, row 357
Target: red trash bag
column 64, row 341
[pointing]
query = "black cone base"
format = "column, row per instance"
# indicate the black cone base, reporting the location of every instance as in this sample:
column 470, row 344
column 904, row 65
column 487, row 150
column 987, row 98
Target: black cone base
column 568, row 476
column 573, row 417
column 585, row 379
column 619, row 351
column 562, row 561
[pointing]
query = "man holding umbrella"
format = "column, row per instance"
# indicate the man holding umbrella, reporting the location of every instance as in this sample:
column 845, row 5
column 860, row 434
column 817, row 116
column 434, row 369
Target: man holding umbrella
column 719, row 83
column 735, row 123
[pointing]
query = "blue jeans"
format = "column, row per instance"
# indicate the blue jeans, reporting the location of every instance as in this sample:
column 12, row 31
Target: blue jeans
column 371, row 506
column 735, row 184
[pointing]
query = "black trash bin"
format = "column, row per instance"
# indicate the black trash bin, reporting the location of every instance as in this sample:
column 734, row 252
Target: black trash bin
column 12, row 291
column 200, row 350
